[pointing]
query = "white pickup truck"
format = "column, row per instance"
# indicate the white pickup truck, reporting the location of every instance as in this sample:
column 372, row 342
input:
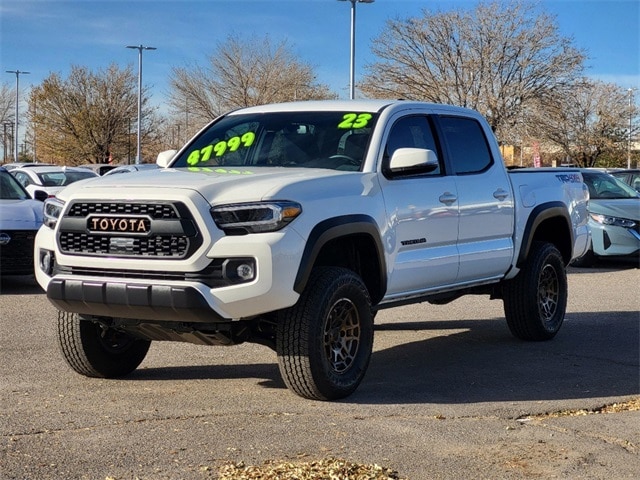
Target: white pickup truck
column 290, row 225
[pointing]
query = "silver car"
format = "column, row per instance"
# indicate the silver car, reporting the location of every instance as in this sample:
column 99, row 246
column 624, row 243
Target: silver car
column 614, row 219
column 630, row 177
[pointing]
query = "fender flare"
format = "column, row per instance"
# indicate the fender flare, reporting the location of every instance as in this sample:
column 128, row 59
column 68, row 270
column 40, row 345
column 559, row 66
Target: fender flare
column 331, row 229
column 538, row 215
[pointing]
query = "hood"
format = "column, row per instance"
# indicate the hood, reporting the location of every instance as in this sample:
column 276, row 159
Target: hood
column 219, row 185
column 20, row 214
column 628, row 208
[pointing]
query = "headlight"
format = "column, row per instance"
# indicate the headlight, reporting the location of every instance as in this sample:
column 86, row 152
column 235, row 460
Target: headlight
column 52, row 211
column 615, row 221
column 243, row 218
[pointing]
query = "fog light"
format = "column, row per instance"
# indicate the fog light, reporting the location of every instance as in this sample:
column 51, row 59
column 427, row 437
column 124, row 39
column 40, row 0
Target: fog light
column 245, row 271
column 46, row 261
column 239, row 270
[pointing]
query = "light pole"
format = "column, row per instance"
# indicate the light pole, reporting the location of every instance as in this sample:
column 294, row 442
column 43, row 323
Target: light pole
column 15, row 133
column 629, row 136
column 352, row 70
column 140, row 48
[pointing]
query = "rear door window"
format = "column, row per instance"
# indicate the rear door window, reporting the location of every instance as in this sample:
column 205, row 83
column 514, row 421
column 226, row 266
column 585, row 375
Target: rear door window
column 466, row 144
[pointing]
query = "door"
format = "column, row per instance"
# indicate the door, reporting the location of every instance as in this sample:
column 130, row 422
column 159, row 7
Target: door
column 423, row 216
column 485, row 200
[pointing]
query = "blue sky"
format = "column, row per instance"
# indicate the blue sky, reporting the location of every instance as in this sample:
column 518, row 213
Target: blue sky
column 44, row 36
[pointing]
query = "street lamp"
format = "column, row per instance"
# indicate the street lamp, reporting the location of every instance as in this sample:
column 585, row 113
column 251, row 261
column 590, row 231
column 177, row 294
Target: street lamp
column 15, row 133
column 352, row 70
column 629, row 137
column 140, row 48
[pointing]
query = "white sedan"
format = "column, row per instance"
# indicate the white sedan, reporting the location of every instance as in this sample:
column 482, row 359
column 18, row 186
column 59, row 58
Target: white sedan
column 49, row 179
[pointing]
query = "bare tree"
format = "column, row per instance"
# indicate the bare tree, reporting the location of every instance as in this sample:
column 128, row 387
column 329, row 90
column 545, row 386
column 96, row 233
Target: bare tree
column 496, row 59
column 7, row 103
column 87, row 117
column 242, row 73
column 7, row 117
column 588, row 122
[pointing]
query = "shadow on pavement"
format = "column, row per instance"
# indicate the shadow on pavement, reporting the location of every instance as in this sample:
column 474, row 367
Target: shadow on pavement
column 593, row 355
column 268, row 372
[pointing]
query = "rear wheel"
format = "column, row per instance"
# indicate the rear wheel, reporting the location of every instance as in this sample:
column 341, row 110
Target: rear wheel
column 95, row 351
column 324, row 342
column 535, row 301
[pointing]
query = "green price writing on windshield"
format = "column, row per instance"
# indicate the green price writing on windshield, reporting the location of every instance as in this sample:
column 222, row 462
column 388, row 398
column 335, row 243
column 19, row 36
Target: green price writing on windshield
column 220, row 148
column 355, row 120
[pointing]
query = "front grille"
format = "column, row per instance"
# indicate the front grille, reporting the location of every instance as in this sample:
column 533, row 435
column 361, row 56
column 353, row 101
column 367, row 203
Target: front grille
column 16, row 257
column 158, row 246
column 172, row 234
column 154, row 210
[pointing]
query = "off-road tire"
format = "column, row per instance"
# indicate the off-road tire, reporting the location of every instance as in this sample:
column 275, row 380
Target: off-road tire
column 95, row 351
column 324, row 341
column 535, row 301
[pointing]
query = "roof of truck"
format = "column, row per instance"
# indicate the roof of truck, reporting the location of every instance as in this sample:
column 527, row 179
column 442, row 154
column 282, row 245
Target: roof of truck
column 344, row 105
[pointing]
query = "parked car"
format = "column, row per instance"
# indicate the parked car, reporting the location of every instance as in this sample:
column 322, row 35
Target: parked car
column 50, row 179
column 614, row 219
column 132, row 168
column 630, row 177
column 13, row 165
column 20, row 219
column 99, row 168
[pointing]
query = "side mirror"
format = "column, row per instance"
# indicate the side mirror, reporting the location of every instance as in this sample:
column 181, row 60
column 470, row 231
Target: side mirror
column 164, row 158
column 413, row 160
column 40, row 195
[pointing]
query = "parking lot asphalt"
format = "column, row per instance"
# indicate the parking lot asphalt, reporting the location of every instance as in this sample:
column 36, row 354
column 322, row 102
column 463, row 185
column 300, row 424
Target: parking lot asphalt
column 449, row 394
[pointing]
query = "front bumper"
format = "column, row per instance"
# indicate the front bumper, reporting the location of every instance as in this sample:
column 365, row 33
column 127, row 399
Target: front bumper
column 131, row 300
column 170, row 290
column 614, row 241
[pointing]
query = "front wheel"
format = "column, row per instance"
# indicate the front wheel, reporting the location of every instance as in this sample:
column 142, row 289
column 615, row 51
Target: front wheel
column 96, row 351
column 535, row 301
column 324, row 342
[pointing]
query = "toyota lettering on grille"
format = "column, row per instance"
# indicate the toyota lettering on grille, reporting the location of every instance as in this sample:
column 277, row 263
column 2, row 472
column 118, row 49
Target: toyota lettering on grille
column 108, row 224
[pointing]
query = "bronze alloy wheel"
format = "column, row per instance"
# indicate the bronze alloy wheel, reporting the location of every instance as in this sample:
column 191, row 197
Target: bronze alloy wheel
column 342, row 335
column 548, row 292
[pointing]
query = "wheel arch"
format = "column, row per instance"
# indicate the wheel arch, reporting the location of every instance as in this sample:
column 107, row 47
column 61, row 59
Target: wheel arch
column 350, row 241
column 548, row 222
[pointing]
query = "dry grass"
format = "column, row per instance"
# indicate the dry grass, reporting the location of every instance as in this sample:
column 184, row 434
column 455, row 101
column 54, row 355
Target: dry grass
column 329, row 469
column 629, row 406
column 337, row 469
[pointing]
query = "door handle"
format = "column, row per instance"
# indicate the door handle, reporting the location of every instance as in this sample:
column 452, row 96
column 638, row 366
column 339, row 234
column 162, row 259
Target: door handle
column 447, row 198
column 500, row 194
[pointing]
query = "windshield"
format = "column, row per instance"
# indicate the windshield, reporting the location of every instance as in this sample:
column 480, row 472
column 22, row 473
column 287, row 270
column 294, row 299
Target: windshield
column 63, row 178
column 333, row 140
column 605, row 186
column 10, row 189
